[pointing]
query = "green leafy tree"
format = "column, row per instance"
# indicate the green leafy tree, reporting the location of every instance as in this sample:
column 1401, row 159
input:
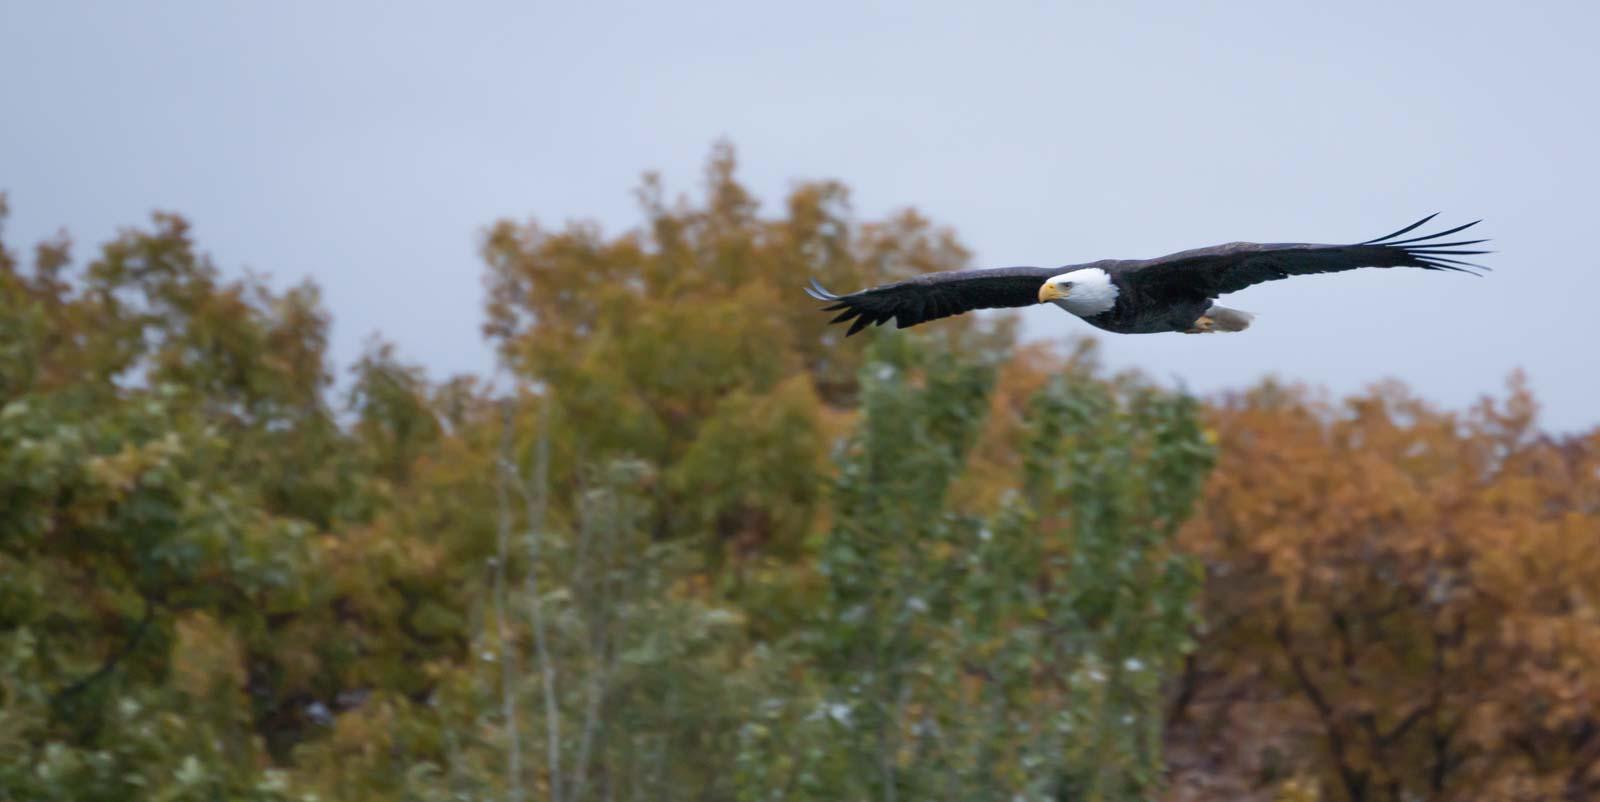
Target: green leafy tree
column 195, row 582
column 140, row 566
column 1019, row 654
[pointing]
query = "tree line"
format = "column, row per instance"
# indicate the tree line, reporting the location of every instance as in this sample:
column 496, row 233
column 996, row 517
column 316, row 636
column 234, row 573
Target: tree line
column 701, row 547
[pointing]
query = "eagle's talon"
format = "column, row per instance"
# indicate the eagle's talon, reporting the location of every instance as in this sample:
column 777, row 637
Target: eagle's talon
column 1203, row 325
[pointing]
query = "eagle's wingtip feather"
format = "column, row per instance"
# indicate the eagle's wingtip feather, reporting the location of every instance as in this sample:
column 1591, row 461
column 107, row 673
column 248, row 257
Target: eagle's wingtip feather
column 1423, row 239
column 1411, row 227
column 819, row 292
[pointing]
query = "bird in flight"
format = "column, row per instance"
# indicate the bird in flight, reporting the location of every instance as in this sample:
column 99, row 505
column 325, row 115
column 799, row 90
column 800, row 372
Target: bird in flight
column 1177, row 292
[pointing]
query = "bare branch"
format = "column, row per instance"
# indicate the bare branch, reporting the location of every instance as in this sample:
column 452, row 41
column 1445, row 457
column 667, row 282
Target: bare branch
column 507, row 651
column 598, row 618
column 536, row 502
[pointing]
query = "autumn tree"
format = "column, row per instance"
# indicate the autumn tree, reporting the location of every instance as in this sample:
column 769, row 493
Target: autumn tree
column 188, row 597
column 682, row 349
column 1398, row 600
column 690, row 542
column 688, row 344
column 162, row 455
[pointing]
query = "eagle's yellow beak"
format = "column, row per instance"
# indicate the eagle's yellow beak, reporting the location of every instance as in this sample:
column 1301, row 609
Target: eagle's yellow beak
column 1049, row 292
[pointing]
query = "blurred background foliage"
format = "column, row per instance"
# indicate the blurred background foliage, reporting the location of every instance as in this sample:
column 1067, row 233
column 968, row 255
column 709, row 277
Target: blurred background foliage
column 691, row 544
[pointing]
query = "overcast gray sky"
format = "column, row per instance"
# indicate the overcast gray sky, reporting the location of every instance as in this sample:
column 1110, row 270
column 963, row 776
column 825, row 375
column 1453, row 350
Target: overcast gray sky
column 368, row 144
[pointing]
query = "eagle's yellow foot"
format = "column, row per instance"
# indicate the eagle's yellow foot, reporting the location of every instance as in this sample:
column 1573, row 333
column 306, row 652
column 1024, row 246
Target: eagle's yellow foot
column 1203, row 325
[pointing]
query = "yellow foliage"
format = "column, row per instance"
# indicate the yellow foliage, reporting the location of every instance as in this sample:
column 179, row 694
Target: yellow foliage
column 207, row 659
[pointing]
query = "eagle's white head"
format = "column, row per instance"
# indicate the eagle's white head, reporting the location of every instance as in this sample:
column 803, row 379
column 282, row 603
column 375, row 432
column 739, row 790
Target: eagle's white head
column 1084, row 292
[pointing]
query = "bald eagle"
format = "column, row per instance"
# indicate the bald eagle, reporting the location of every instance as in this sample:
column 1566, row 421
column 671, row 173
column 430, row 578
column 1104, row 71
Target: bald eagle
column 1177, row 292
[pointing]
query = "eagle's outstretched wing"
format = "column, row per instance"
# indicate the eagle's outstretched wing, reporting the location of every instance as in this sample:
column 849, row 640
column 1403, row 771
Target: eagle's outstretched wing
column 935, row 295
column 1232, row 267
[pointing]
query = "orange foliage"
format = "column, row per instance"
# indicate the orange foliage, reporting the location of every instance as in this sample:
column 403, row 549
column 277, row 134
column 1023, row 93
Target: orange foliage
column 1400, row 602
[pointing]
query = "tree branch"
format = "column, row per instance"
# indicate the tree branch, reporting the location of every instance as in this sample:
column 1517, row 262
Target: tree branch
column 536, row 502
column 508, row 700
column 599, row 620
column 1355, row 782
column 111, row 661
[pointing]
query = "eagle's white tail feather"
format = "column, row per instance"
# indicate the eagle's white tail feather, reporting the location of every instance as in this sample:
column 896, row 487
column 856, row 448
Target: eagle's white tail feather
column 1229, row 319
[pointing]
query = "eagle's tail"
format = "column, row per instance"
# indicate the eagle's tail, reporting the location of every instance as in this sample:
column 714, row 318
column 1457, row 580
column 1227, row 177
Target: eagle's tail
column 1226, row 319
